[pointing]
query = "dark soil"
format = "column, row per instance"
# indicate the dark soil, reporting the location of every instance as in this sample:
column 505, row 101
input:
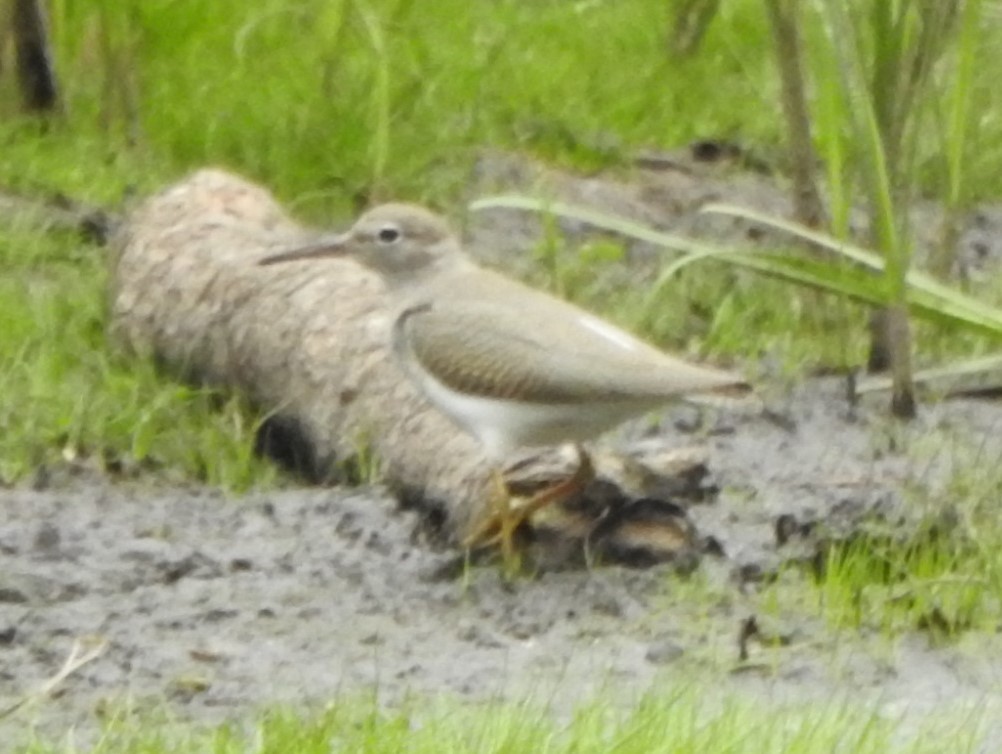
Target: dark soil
column 215, row 606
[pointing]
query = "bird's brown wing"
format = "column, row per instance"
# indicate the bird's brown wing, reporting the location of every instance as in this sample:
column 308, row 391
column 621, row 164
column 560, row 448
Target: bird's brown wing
column 542, row 351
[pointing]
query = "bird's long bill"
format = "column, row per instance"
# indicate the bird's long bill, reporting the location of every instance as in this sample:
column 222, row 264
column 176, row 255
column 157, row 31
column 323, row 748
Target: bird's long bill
column 332, row 246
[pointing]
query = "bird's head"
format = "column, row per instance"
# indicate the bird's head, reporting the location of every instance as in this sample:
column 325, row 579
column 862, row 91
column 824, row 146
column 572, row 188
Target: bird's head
column 399, row 241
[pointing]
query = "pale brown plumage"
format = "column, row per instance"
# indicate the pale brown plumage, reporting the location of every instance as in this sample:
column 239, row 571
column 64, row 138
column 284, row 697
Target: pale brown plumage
column 540, row 350
column 463, row 331
column 511, row 365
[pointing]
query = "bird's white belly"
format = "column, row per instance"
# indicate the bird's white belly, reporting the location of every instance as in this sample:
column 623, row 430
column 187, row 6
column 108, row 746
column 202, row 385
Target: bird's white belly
column 503, row 426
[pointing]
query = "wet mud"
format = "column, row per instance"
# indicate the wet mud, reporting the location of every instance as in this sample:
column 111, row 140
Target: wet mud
column 212, row 607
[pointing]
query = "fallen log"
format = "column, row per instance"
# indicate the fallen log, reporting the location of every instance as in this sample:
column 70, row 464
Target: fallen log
column 310, row 344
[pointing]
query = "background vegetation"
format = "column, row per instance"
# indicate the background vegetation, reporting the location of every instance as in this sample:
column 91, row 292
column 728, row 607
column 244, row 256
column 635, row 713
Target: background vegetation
column 337, row 103
column 334, row 104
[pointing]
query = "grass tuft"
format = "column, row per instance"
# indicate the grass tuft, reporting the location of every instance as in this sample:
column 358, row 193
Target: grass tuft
column 670, row 719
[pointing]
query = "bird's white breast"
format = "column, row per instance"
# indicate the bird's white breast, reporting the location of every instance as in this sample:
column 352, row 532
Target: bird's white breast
column 503, row 426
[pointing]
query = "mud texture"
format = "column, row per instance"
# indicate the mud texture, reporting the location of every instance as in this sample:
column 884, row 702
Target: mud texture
column 213, row 606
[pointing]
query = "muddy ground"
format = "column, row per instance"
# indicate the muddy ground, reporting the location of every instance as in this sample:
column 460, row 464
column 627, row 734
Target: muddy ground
column 215, row 606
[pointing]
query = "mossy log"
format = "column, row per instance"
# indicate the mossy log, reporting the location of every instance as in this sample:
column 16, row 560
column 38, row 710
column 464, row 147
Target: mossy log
column 309, row 344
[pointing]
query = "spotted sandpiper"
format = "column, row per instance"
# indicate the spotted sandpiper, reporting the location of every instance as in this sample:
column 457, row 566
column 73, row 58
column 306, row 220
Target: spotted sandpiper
column 513, row 366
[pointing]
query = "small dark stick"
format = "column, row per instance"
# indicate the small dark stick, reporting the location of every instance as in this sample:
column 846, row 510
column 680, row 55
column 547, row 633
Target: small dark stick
column 35, row 71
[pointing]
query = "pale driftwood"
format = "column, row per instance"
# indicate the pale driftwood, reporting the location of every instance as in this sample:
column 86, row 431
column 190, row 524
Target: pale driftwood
column 310, row 342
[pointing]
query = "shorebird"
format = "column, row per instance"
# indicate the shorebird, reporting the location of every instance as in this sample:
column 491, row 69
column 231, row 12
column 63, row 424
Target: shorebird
column 513, row 366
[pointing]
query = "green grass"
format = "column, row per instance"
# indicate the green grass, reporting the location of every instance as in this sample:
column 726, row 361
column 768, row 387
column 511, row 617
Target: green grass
column 939, row 575
column 71, row 397
column 330, row 104
column 334, row 103
column 294, row 94
column 672, row 720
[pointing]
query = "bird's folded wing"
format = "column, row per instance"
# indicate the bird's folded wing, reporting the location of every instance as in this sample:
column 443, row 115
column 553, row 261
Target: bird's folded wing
column 546, row 351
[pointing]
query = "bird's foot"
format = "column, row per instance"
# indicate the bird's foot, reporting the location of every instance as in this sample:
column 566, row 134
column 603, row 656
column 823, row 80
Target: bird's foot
column 509, row 513
column 500, row 526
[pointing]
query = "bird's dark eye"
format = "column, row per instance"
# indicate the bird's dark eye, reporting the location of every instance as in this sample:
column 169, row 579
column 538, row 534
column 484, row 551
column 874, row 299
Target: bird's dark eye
column 388, row 234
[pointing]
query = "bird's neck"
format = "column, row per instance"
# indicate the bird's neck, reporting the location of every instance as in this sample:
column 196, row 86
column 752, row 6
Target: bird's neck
column 427, row 275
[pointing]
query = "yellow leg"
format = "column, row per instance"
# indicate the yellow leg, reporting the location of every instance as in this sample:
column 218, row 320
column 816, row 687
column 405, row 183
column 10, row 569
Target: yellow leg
column 504, row 521
column 500, row 525
column 583, row 474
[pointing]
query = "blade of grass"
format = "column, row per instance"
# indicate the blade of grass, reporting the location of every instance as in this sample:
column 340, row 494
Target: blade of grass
column 592, row 217
column 927, row 297
column 954, row 303
column 968, row 368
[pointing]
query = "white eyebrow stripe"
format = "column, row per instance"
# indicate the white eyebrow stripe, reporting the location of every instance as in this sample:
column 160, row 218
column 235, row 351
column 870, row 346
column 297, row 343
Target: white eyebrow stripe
column 609, row 332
